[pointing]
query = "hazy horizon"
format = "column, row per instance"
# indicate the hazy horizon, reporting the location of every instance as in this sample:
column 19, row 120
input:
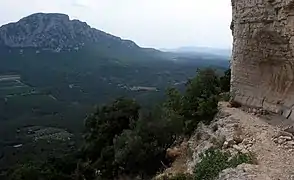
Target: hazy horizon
column 164, row 24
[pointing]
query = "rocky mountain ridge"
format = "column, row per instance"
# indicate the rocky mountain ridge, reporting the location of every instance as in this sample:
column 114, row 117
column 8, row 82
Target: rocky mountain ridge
column 56, row 31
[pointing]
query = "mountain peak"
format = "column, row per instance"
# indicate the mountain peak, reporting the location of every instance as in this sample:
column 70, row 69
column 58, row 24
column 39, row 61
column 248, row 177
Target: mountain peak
column 48, row 16
column 55, row 31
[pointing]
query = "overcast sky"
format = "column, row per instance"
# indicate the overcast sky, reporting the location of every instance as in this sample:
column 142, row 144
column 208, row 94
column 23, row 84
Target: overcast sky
column 150, row 23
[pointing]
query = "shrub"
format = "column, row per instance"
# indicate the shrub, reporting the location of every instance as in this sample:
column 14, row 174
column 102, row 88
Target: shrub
column 241, row 158
column 213, row 161
column 142, row 149
column 102, row 127
column 25, row 172
column 30, row 171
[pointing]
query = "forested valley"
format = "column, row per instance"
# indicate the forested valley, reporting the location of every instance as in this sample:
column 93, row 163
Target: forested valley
column 78, row 103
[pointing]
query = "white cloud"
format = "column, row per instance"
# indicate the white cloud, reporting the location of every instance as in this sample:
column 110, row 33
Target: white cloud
column 82, row 3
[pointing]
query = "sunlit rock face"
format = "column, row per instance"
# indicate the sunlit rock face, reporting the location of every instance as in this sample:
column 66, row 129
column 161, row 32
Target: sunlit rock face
column 263, row 54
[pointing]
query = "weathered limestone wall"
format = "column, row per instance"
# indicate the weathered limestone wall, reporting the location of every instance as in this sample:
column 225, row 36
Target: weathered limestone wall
column 263, row 54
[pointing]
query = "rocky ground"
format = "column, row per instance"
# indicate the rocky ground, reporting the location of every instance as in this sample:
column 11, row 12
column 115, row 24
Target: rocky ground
column 271, row 141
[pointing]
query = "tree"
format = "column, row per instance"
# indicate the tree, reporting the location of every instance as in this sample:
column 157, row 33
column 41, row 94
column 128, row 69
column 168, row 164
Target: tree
column 199, row 101
column 142, row 150
column 225, row 81
column 121, row 139
column 33, row 171
column 102, row 127
column 25, row 172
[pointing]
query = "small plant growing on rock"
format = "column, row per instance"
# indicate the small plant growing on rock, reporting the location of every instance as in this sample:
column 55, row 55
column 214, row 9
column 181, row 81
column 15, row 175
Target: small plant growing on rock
column 213, row 161
column 241, row 158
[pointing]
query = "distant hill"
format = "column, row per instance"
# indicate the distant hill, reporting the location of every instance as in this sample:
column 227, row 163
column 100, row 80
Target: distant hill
column 56, row 32
column 53, row 30
column 201, row 50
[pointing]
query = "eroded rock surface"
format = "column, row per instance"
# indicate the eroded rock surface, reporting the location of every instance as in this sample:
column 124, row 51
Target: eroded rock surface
column 234, row 131
column 263, row 54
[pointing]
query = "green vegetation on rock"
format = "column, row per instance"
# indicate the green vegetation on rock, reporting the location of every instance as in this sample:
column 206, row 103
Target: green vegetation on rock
column 213, row 161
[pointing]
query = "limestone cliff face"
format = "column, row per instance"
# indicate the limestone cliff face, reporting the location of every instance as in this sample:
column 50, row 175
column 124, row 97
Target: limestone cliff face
column 263, row 54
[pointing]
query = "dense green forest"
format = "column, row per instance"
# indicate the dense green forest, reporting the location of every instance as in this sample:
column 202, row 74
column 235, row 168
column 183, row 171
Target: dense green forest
column 79, row 80
column 44, row 108
column 122, row 138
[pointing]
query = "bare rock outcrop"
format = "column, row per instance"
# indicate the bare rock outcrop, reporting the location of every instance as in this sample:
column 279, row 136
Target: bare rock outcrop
column 235, row 131
column 263, row 54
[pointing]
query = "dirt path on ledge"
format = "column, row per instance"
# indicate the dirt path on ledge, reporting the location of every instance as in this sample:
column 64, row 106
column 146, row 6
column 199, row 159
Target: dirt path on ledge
column 275, row 161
